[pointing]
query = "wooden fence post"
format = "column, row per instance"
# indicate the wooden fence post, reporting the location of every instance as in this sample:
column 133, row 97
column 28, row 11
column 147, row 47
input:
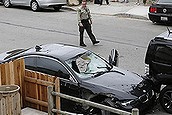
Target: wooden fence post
column 57, row 89
column 50, row 100
column 135, row 111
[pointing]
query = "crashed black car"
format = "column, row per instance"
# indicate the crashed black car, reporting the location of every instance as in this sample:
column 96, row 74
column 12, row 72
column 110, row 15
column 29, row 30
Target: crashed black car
column 86, row 75
column 161, row 11
column 159, row 67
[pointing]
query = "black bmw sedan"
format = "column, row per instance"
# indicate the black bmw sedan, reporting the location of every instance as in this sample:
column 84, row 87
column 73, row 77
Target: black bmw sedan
column 86, row 75
column 161, row 11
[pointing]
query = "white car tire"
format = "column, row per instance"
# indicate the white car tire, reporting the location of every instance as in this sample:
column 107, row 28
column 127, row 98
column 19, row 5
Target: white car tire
column 34, row 5
column 7, row 3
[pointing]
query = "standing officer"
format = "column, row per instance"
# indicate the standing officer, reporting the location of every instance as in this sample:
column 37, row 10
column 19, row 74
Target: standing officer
column 84, row 23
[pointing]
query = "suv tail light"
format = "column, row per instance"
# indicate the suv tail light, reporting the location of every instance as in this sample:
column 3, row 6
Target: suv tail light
column 152, row 10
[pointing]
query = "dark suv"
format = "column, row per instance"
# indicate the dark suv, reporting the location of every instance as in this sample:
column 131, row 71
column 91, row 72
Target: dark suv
column 159, row 61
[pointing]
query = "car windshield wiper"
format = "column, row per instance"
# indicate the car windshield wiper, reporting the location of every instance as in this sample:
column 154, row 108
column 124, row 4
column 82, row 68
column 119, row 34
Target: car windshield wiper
column 96, row 73
column 107, row 67
column 103, row 72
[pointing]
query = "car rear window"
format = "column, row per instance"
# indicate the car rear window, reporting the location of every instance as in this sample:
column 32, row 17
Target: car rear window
column 165, row 1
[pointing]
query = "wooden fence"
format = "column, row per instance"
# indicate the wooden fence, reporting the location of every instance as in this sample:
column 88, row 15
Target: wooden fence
column 52, row 110
column 33, row 85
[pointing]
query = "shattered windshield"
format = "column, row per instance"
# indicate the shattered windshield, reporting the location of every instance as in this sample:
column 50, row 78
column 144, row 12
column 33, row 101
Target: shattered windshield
column 87, row 65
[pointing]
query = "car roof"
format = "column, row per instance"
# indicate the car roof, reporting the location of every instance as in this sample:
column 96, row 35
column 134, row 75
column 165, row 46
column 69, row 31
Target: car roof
column 59, row 51
column 164, row 1
column 165, row 37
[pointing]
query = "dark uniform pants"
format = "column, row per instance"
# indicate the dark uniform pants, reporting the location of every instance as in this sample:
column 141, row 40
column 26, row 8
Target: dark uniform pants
column 86, row 26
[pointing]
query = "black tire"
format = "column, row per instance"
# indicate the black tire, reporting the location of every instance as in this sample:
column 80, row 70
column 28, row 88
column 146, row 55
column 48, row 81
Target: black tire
column 7, row 3
column 165, row 99
column 57, row 8
column 34, row 5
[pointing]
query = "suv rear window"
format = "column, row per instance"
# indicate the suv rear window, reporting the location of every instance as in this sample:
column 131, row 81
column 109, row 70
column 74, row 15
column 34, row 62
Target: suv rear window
column 163, row 54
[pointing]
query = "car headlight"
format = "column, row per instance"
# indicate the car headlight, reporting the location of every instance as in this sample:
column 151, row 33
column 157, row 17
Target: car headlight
column 126, row 104
column 144, row 98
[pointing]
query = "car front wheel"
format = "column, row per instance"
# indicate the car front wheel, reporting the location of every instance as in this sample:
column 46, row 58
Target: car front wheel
column 7, row 3
column 165, row 99
column 34, row 5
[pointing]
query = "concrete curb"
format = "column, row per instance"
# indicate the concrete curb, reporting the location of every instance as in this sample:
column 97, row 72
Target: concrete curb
column 125, row 15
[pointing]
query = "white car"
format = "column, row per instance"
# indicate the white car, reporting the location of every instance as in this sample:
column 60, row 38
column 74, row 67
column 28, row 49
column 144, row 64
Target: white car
column 36, row 4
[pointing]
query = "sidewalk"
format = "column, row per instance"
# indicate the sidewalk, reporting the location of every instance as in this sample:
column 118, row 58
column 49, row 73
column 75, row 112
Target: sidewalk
column 31, row 111
column 130, row 10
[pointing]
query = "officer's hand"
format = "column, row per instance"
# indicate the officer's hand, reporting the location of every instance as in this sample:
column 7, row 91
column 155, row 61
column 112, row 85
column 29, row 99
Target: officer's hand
column 90, row 21
column 80, row 24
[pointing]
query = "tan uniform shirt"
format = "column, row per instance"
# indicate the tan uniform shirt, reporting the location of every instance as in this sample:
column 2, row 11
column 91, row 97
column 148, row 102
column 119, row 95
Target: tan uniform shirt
column 83, row 13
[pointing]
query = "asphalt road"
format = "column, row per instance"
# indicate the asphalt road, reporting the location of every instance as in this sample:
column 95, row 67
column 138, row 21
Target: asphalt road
column 22, row 28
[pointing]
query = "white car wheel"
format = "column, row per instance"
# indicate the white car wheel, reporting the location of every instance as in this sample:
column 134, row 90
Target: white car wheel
column 7, row 3
column 34, row 6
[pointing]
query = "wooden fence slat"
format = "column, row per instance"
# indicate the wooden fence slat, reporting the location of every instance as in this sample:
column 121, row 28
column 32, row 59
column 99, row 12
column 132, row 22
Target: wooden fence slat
column 17, row 80
column 7, row 74
column 37, row 81
column 50, row 100
column 3, row 78
column 11, row 73
column 37, row 96
column 57, row 89
column 35, row 101
column 0, row 75
column 21, row 79
column 40, row 90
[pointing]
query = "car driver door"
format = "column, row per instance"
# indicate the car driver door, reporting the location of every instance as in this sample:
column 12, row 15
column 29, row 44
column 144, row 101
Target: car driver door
column 67, row 83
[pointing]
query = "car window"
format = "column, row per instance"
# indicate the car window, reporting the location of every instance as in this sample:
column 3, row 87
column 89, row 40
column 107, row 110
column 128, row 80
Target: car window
column 163, row 54
column 51, row 67
column 30, row 63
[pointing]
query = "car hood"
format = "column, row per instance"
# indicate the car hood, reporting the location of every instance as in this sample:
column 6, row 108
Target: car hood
column 119, row 82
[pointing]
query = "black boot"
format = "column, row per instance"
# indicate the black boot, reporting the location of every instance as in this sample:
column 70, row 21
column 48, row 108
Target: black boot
column 96, row 42
column 82, row 44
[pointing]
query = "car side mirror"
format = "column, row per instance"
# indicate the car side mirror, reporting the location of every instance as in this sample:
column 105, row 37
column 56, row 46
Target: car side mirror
column 65, row 76
column 113, row 57
column 62, row 75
